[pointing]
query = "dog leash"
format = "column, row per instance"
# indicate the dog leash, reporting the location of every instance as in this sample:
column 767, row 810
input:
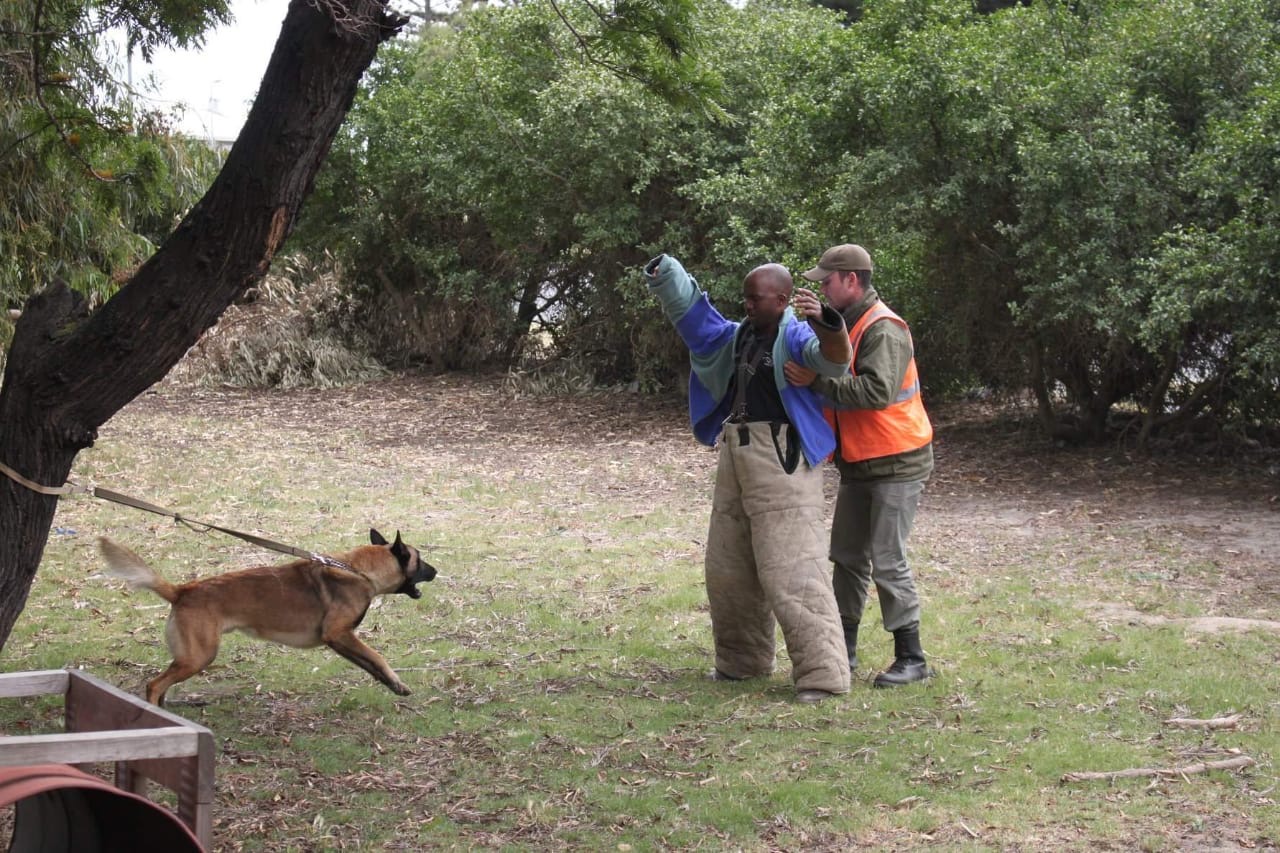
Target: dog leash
column 69, row 488
column 72, row 487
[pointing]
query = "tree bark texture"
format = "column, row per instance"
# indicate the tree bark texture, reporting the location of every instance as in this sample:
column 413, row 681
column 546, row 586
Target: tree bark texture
column 69, row 371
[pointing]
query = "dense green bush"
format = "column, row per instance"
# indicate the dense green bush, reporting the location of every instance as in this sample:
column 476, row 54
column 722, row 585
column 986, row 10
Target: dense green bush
column 1075, row 201
column 1057, row 198
column 494, row 182
column 1072, row 201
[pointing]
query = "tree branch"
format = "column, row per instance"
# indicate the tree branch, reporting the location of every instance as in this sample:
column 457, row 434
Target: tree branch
column 1229, row 722
column 1163, row 773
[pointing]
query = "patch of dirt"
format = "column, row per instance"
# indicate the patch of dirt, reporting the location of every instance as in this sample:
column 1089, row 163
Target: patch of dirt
column 1198, row 624
column 995, row 476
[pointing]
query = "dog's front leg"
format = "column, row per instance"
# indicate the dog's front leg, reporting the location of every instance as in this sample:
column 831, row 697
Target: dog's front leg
column 351, row 647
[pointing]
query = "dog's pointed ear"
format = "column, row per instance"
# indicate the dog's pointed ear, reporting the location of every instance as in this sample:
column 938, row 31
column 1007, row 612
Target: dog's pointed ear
column 376, row 538
column 400, row 549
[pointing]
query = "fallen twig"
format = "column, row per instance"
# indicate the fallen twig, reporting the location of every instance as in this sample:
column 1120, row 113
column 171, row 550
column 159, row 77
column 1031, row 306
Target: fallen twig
column 1212, row 723
column 1166, row 772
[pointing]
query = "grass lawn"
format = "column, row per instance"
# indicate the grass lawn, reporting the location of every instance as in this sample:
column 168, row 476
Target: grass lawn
column 1074, row 604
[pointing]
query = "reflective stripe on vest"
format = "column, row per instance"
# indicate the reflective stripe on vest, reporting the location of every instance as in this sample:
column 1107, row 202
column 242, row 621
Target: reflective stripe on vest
column 901, row 426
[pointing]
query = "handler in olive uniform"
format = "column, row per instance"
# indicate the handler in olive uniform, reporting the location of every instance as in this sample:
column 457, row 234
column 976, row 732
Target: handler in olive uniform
column 885, row 457
column 764, row 556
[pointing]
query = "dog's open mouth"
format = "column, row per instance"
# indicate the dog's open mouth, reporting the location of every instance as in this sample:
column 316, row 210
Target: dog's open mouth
column 426, row 572
column 410, row 589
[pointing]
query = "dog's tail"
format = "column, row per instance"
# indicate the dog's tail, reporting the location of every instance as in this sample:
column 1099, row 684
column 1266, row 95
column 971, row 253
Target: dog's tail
column 130, row 568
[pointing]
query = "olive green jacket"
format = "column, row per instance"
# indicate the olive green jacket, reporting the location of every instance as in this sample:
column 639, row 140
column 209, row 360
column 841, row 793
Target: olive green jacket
column 878, row 371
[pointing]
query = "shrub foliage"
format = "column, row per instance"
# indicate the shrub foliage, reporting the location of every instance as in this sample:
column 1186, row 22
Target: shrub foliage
column 1073, row 201
column 292, row 331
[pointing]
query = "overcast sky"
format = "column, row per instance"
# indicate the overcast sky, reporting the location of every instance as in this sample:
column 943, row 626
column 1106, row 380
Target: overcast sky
column 218, row 82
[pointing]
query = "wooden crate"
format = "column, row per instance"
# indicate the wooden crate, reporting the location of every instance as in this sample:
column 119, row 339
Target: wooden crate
column 105, row 724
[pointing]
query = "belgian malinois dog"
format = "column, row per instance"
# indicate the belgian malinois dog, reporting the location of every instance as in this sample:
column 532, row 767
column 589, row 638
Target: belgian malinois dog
column 300, row 604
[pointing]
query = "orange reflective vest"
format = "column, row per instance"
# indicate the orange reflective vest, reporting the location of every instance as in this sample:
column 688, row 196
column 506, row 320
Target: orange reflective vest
column 901, row 426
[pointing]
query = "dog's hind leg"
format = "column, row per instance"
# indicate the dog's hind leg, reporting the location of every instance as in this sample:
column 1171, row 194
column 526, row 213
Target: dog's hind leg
column 351, row 647
column 193, row 646
column 177, row 671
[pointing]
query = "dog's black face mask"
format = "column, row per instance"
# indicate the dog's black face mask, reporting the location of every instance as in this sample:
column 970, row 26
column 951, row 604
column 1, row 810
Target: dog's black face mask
column 415, row 569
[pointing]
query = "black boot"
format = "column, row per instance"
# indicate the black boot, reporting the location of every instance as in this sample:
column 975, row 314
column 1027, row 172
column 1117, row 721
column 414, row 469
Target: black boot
column 909, row 665
column 850, row 641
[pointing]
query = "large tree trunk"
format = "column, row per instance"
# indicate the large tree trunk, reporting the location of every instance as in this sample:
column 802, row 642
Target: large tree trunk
column 68, row 372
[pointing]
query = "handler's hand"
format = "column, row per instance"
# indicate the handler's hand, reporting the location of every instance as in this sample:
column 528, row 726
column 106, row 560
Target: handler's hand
column 798, row 374
column 805, row 303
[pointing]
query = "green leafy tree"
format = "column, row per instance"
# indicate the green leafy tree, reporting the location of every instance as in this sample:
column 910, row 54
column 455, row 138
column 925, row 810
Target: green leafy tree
column 1215, row 283
column 92, row 183
column 1106, row 184
column 1033, row 181
column 877, row 140
column 70, row 367
column 1053, row 193
column 532, row 182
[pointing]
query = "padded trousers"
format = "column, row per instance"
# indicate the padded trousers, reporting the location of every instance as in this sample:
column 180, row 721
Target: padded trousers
column 766, row 560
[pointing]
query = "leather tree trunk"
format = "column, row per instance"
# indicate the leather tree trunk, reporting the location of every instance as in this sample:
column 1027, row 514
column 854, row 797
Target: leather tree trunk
column 69, row 371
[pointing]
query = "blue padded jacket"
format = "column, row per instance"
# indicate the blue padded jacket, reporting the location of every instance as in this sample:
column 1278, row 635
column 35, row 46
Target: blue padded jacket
column 711, row 340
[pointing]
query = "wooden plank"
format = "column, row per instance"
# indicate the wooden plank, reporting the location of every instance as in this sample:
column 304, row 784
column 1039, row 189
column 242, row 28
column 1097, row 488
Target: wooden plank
column 94, row 705
column 89, row 747
column 105, row 723
column 112, row 708
column 40, row 683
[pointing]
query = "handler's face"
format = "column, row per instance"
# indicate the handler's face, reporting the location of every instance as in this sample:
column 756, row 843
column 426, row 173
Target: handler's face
column 764, row 301
column 842, row 289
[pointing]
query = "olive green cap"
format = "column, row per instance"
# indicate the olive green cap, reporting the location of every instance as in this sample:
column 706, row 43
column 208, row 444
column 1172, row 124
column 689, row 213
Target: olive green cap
column 843, row 258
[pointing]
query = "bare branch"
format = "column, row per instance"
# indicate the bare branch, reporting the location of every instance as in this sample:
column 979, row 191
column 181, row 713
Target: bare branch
column 1162, row 773
column 585, row 44
column 1229, row 722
